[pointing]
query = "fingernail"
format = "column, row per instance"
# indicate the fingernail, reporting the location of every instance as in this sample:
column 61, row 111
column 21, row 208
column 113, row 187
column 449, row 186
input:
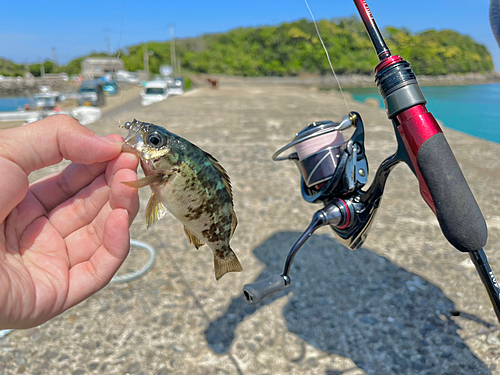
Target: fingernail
column 127, row 148
column 108, row 140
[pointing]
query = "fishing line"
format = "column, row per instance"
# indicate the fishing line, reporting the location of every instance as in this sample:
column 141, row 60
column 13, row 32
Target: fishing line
column 327, row 55
column 118, row 56
column 143, row 245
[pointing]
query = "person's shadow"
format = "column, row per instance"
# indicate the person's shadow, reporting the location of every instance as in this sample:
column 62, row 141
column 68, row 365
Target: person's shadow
column 359, row 305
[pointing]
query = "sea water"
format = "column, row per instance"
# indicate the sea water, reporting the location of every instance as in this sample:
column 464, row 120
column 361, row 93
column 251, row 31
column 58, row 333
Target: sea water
column 474, row 110
column 13, row 104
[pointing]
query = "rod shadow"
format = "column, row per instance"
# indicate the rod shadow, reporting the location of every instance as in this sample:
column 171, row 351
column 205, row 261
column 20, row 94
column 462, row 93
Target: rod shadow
column 359, row 305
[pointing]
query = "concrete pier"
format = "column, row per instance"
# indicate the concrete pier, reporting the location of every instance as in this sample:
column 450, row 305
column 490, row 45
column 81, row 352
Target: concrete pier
column 383, row 309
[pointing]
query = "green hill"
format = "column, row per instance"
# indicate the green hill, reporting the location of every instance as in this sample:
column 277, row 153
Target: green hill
column 10, row 69
column 294, row 48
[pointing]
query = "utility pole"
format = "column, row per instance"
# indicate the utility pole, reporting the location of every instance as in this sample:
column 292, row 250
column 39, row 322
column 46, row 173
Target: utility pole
column 146, row 62
column 54, row 57
column 172, row 49
column 108, row 44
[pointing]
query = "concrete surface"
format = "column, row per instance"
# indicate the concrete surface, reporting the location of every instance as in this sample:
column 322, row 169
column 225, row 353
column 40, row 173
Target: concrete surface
column 383, row 309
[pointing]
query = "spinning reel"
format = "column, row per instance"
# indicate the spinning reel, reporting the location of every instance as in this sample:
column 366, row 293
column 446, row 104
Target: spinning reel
column 333, row 173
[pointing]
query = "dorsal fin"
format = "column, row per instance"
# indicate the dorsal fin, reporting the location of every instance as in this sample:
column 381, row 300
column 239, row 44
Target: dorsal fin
column 225, row 178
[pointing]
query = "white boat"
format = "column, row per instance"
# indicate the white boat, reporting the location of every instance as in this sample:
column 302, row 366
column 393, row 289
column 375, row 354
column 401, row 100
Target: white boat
column 46, row 98
column 25, row 116
column 154, row 91
column 84, row 115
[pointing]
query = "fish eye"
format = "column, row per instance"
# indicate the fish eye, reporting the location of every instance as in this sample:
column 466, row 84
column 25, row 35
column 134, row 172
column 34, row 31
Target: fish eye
column 155, row 140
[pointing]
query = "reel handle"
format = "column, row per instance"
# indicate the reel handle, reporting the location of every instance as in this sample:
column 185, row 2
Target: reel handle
column 256, row 292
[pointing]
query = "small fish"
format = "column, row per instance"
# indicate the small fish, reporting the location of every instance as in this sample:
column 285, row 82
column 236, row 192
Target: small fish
column 191, row 184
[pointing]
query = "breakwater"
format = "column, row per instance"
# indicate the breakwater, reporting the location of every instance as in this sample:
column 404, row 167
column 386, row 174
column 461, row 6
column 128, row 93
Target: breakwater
column 18, row 86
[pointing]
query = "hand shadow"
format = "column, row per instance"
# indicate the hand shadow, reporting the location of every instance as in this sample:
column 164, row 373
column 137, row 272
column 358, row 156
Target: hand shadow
column 359, row 305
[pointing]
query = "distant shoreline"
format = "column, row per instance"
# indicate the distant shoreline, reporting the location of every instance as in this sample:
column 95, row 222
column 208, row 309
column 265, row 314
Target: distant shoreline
column 359, row 81
column 459, row 80
column 353, row 80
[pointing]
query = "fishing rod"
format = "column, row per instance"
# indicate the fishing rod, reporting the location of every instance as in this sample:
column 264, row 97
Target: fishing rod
column 334, row 172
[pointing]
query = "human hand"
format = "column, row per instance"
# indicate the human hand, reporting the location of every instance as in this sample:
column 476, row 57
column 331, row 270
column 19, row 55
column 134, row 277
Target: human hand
column 62, row 238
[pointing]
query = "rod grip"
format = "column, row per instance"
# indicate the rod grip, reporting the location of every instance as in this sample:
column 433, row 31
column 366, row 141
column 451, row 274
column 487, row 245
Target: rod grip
column 256, row 292
column 456, row 209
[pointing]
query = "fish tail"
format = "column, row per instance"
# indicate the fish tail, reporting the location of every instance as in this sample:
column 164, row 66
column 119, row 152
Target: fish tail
column 226, row 261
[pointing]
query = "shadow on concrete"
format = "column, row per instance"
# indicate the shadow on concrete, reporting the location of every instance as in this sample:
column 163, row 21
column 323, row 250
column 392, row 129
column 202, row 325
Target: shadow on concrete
column 359, row 305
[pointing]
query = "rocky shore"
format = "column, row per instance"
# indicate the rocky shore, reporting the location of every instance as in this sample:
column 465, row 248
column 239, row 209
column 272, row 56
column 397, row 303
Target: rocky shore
column 404, row 303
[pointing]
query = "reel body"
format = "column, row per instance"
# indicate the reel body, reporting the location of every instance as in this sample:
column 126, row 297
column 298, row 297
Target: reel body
column 333, row 173
column 336, row 174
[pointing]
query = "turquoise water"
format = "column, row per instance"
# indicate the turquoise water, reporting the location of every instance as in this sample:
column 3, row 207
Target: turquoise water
column 474, row 110
column 12, row 104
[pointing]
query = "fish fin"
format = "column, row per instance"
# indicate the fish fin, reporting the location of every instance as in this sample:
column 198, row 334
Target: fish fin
column 225, row 262
column 225, row 177
column 234, row 223
column 146, row 181
column 155, row 210
column 193, row 239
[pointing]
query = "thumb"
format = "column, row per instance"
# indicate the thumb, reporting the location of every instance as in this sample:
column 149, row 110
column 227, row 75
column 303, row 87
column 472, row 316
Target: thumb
column 43, row 143
column 48, row 141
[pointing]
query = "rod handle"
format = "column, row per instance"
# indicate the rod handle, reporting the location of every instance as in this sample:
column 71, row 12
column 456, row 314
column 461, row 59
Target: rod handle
column 457, row 211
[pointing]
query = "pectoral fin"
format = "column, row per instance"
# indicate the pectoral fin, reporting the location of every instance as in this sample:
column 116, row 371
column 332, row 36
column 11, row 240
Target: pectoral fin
column 193, row 239
column 146, row 181
column 155, row 210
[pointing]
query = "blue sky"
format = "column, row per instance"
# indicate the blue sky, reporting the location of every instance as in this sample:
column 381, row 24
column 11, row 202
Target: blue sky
column 29, row 29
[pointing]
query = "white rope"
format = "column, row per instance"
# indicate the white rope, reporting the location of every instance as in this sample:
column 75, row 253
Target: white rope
column 5, row 332
column 142, row 271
